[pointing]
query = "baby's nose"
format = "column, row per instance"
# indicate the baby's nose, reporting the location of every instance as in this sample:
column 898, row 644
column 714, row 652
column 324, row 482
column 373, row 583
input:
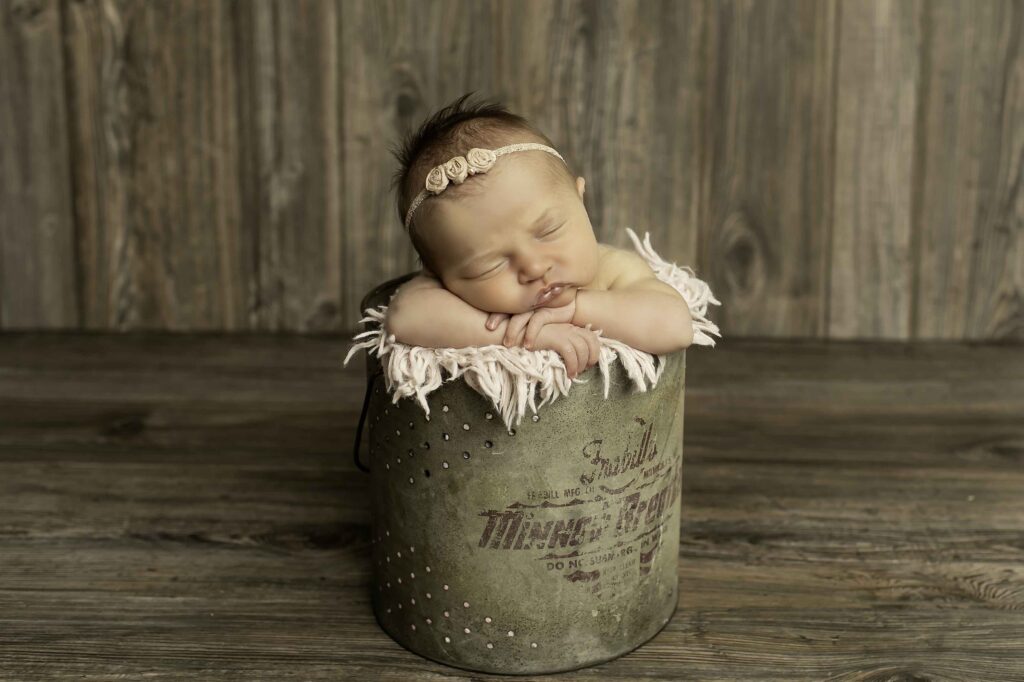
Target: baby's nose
column 533, row 272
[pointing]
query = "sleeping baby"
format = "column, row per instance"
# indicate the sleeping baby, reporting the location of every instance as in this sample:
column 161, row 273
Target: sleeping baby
column 508, row 252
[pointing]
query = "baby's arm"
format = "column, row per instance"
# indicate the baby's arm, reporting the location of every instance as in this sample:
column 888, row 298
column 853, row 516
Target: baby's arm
column 638, row 309
column 424, row 313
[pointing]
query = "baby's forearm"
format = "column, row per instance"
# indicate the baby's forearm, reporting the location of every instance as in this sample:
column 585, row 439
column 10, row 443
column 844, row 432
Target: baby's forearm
column 652, row 321
column 437, row 318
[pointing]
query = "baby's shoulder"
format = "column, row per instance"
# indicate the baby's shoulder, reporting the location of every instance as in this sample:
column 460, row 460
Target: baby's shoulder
column 423, row 279
column 613, row 262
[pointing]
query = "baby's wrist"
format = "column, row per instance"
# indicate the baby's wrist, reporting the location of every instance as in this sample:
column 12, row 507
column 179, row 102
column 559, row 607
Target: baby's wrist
column 576, row 308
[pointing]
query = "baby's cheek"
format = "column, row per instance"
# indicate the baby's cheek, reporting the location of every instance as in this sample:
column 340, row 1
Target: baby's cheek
column 492, row 296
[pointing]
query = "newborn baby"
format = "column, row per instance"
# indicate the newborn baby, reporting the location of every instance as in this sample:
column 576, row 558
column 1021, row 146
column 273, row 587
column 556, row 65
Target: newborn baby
column 509, row 254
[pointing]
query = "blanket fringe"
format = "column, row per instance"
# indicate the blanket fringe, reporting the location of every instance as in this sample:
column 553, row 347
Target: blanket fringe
column 508, row 377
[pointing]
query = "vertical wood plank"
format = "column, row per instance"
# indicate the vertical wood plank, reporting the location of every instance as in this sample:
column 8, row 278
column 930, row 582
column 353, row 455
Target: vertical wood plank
column 970, row 189
column 291, row 49
column 871, row 285
column 38, row 283
column 767, row 127
column 156, row 167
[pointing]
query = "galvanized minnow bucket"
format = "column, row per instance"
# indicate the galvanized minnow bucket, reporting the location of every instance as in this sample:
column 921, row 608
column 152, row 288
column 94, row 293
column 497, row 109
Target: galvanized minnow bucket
column 547, row 548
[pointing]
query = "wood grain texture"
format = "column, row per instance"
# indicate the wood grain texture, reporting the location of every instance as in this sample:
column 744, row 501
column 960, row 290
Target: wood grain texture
column 833, row 170
column 187, row 506
column 768, row 129
column 156, row 167
column 38, row 280
column 872, row 261
column 970, row 252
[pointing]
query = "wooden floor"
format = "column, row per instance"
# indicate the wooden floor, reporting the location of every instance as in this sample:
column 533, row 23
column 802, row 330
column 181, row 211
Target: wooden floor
column 178, row 506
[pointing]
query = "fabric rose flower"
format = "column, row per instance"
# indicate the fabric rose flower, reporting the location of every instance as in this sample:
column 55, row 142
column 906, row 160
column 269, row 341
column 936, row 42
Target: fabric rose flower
column 480, row 160
column 437, row 179
column 457, row 169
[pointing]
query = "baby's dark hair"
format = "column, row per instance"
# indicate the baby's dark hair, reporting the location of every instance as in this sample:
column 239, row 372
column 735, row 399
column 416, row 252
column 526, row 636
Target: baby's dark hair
column 452, row 131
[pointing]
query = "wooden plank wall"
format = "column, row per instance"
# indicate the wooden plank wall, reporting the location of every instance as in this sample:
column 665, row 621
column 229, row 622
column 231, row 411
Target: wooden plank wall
column 833, row 169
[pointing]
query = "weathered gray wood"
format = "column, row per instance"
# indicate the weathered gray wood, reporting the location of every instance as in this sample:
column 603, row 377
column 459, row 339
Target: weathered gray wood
column 767, row 128
column 187, row 506
column 872, row 262
column 38, row 282
column 833, row 170
column 157, row 165
column 970, row 185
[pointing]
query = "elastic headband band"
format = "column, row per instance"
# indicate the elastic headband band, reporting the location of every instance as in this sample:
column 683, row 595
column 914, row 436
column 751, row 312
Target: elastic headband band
column 458, row 168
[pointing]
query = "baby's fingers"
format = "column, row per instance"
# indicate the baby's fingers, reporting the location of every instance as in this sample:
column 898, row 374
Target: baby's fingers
column 584, row 351
column 494, row 319
column 595, row 348
column 539, row 319
column 516, row 328
column 568, row 353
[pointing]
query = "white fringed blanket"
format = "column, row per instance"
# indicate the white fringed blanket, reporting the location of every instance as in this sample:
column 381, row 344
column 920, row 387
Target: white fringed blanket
column 508, row 376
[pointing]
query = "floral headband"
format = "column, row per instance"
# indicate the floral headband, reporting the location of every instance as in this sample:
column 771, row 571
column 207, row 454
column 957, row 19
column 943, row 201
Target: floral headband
column 458, row 168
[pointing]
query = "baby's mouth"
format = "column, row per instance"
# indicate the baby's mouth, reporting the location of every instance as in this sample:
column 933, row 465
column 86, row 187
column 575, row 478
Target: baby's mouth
column 550, row 293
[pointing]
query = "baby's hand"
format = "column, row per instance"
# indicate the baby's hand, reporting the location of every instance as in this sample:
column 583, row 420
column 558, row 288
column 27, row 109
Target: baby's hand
column 579, row 347
column 516, row 326
column 523, row 327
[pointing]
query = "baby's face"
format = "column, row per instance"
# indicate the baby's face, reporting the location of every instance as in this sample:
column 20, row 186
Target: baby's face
column 497, row 249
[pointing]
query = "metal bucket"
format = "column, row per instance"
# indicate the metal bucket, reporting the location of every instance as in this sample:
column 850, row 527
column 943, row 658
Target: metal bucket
column 547, row 548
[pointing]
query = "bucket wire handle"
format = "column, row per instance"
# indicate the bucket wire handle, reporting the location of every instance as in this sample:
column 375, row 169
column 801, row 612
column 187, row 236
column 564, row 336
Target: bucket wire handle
column 362, row 418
